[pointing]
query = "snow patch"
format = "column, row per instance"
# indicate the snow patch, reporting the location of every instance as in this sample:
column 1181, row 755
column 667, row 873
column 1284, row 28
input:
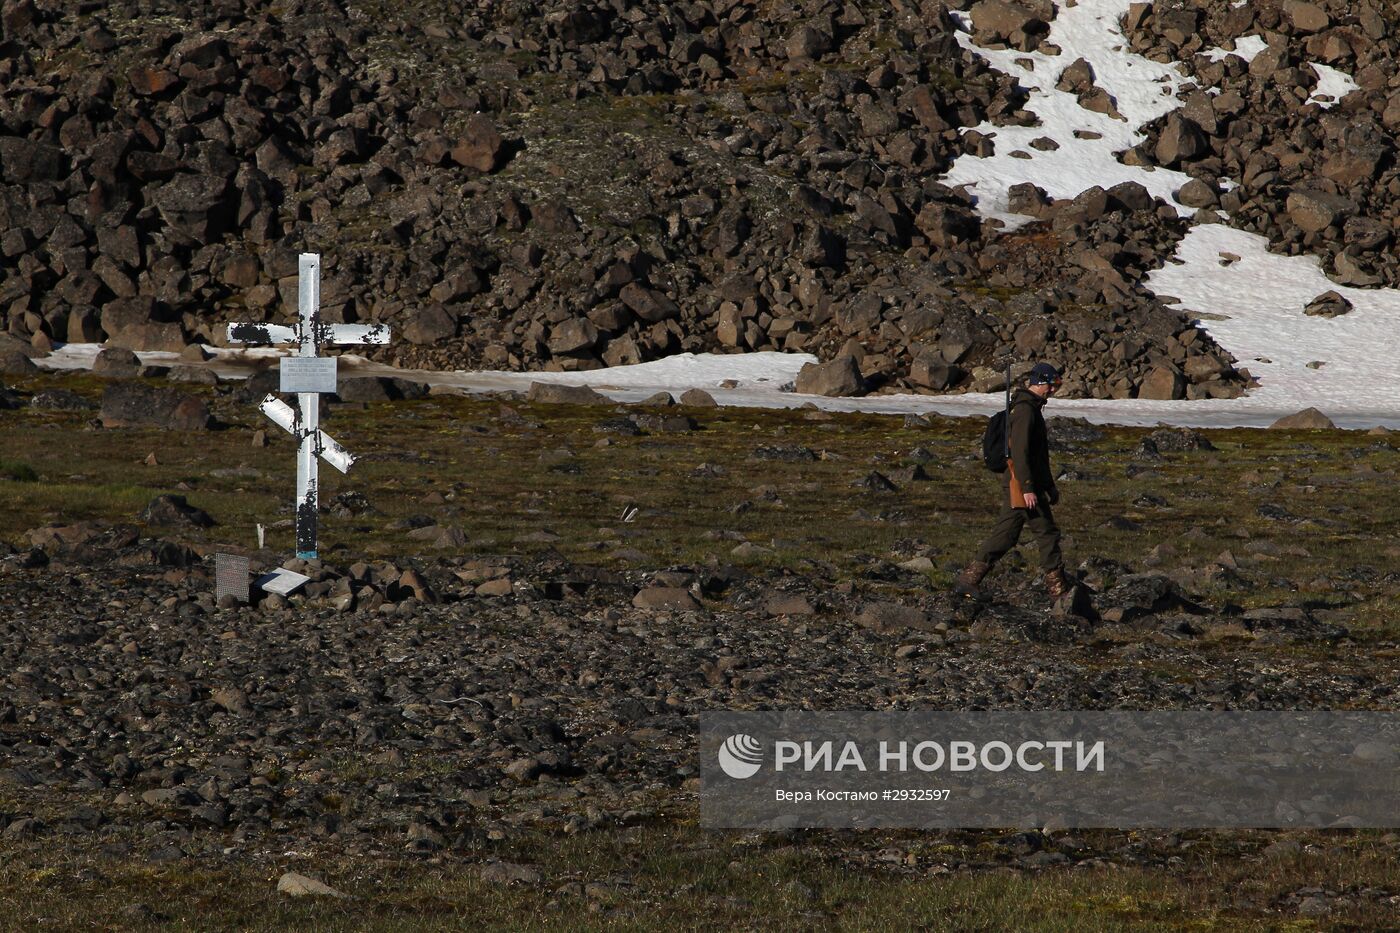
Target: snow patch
column 1264, row 325
column 1143, row 91
column 1246, row 47
column 1332, row 86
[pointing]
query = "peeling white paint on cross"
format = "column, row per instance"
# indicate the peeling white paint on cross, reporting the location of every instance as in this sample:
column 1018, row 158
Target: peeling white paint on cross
column 307, row 375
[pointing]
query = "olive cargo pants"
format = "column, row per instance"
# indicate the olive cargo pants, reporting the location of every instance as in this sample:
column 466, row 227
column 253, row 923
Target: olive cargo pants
column 1008, row 531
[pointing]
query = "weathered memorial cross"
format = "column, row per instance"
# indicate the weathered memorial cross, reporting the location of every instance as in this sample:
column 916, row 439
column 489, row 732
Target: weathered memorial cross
column 307, row 375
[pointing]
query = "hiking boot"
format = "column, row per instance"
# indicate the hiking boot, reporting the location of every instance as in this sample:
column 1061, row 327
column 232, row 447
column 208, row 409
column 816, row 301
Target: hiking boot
column 1056, row 583
column 971, row 576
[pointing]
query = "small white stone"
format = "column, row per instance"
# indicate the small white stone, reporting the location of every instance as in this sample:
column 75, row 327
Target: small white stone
column 301, row 886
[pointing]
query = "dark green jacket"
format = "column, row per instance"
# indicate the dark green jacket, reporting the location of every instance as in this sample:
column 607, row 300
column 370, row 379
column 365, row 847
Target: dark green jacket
column 1030, row 448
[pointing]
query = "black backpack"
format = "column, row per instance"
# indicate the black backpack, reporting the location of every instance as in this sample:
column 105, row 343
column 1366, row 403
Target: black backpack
column 996, row 446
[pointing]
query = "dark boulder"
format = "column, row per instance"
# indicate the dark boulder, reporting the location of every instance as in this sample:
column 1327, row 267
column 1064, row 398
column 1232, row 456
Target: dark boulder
column 189, row 204
column 481, row 146
column 174, row 510
column 116, row 361
column 134, row 404
column 839, row 377
column 23, row 161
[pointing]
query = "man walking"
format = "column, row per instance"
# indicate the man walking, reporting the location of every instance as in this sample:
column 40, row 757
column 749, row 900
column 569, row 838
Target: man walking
column 1029, row 470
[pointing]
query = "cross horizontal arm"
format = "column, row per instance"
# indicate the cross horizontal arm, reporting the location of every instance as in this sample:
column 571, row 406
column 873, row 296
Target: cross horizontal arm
column 359, row 333
column 262, row 333
column 284, row 416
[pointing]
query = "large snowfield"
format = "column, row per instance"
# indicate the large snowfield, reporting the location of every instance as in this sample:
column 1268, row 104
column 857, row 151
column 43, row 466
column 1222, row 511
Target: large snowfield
column 1250, row 300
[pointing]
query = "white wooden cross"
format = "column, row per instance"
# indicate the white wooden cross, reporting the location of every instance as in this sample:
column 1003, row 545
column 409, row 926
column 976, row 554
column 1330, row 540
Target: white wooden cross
column 307, row 375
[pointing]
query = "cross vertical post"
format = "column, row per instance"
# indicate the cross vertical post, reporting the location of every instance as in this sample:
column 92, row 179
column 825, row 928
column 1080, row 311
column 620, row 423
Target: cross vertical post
column 307, row 376
column 308, row 405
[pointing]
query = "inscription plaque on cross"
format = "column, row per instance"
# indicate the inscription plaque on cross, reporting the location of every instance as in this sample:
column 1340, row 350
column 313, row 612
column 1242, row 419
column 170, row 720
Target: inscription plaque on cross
column 307, row 375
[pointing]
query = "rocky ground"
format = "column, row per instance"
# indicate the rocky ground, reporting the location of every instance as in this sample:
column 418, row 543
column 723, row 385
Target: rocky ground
column 390, row 709
column 492, row 655
column 566, row 185
column 483, row 707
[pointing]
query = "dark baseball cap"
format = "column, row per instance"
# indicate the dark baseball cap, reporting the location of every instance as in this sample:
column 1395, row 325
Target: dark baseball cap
column 1043, row 374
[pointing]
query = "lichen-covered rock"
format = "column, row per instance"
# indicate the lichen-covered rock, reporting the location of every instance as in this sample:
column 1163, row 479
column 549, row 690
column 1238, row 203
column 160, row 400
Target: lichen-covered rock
column 134, row 404
column 1309, row 419
column 839, row 377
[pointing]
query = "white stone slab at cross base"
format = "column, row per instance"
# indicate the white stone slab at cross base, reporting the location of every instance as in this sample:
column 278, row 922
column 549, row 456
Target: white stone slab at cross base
column 282, row 581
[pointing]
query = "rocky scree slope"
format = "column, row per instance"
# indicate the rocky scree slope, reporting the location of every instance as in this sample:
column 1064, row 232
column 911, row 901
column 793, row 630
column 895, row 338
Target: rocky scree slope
column 564, row 186
column 1314, row 178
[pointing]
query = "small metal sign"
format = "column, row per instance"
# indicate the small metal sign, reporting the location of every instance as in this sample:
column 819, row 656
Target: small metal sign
column 308, row 374
column 282, row 581
column 231, row 576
